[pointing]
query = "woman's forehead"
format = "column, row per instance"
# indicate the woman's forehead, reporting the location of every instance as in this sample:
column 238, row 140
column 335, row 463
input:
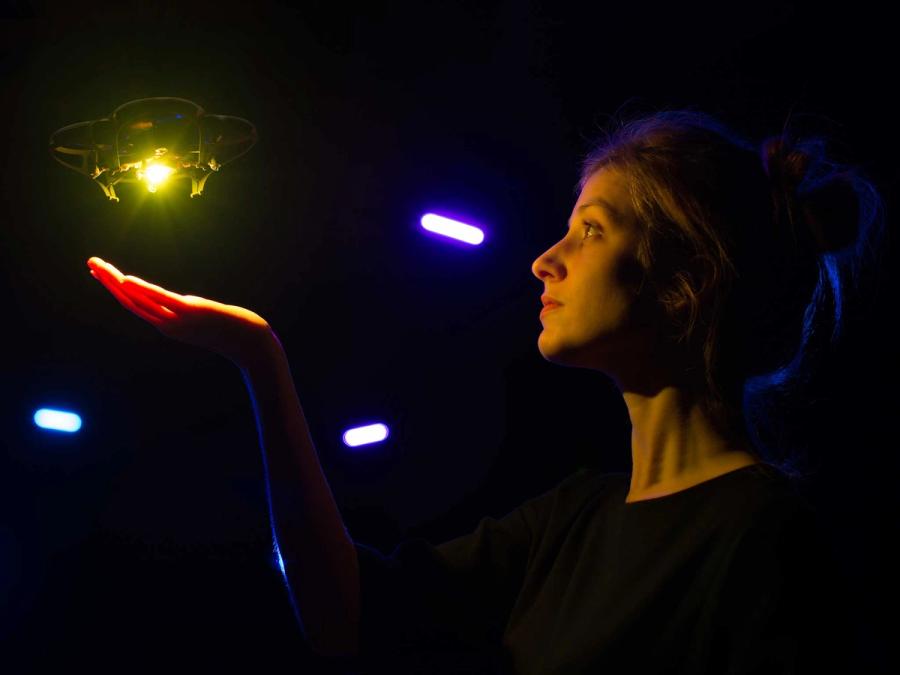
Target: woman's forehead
column 606, row 189
column 607, row 182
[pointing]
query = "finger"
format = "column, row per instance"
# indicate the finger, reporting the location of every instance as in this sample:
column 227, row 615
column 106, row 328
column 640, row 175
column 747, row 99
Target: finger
column 109, row 280
column 138, row 307
column 163, row 297
column 133, row 302
column 105, row 273
column 101, row 265
column 157, row 293
column 132, row 307
column 139, row 297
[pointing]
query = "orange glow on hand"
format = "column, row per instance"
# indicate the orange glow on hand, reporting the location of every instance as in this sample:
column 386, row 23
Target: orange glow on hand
column 231, row 331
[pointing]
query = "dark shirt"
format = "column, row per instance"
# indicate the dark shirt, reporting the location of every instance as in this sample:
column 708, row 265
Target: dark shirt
column 729, row 576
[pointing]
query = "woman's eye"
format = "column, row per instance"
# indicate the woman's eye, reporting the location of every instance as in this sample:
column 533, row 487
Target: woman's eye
column 587, row 226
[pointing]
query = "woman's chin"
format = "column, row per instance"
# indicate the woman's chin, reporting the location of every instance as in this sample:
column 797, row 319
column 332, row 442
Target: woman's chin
column 591, row 357
column 559, row 354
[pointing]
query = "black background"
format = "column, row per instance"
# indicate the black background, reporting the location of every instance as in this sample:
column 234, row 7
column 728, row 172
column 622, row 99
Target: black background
column 146, row 536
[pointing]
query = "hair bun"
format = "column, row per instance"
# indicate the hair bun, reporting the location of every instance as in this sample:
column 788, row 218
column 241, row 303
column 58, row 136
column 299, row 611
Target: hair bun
column 807, row 186
column 786, row 167
column 784, row 161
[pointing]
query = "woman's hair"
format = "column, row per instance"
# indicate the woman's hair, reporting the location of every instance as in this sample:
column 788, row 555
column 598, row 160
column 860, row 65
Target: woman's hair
column 751, row 252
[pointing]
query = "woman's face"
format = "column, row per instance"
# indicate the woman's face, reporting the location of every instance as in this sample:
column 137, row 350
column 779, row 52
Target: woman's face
column 594, row 274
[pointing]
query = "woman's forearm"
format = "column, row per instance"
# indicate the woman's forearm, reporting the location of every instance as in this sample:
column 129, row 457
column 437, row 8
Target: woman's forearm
column 319, row 557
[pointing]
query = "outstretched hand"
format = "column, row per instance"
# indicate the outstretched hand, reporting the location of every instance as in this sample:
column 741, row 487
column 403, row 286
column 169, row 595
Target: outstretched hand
column 234, row 332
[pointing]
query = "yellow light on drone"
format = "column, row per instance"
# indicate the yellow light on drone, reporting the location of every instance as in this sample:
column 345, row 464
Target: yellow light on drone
column 155, row 174
column 174, row 135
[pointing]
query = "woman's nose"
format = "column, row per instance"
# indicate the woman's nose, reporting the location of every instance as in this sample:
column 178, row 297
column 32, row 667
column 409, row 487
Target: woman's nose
column 541, row 267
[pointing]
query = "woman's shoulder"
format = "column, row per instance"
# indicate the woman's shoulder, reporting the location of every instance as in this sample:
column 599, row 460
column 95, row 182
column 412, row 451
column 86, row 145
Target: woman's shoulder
column 582, row 483
column 569, row 496
column 775, row 491
column 769, row 511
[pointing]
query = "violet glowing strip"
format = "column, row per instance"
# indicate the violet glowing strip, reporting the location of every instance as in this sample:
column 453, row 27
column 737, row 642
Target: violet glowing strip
column 372, row 433
column 454, row 229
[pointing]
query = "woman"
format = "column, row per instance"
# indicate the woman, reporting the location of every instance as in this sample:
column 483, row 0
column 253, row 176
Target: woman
column 704, row 276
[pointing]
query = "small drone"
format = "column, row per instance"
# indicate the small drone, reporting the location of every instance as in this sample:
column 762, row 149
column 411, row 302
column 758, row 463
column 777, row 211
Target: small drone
column 152, row 140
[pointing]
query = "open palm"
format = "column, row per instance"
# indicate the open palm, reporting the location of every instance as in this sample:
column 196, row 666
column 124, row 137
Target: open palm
column 229, row 330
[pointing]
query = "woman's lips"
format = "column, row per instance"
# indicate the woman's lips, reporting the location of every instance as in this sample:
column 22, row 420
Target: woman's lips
column 549, row 307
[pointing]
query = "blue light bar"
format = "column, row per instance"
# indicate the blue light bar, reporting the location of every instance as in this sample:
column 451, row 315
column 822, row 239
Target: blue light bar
column 57, row 420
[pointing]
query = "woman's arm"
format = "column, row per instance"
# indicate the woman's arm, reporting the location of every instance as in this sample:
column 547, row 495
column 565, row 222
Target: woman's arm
column 319, row 557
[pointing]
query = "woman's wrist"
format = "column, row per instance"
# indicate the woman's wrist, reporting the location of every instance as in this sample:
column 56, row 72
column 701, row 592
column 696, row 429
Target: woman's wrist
column 263, row 352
